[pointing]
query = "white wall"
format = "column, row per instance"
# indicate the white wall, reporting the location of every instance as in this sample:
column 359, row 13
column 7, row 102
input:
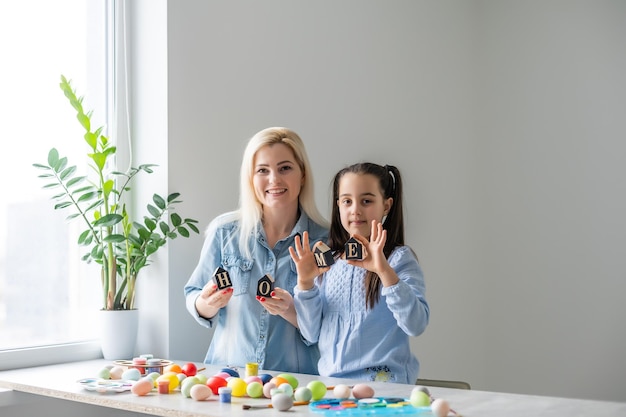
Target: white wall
column 505, row 119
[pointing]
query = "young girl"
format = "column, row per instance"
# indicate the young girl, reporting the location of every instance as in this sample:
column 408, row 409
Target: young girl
column 361, row 313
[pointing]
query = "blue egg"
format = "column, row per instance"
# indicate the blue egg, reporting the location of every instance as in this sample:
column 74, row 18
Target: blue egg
column 231, row 372
column 265, row 378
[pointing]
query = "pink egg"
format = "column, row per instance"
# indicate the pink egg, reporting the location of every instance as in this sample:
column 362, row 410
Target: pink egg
column 224, row 375
column 440, row 407
column 267, row 389
column 200, row 392
column 362, row 391
column 253, row 378
column 142, row 387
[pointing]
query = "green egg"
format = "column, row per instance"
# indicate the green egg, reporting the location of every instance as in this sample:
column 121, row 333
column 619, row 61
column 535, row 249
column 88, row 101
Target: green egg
column 419, row 399
column 291, row 379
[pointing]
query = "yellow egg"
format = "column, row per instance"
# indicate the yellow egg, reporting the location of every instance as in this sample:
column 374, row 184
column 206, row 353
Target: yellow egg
column 200, row 392
column 238, row 386
column 142, row 387
column 171, row 377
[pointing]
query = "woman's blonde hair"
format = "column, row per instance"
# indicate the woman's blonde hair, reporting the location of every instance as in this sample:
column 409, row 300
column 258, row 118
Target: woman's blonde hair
column 250, row 211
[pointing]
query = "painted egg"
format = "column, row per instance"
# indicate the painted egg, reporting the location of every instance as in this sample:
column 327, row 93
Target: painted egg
column 419, row 398
column 440, row 407
column 291, row 379
column 362, row 391
column 286, row 388
column 341, row 391
column 254, row 389
column 318, row 389
column 282, row 402
column 303, row 394
column 104, row 373
column 131, row 374
column 200, row 392
column 231, row 372
column 253, row 378
column 265, row 378
column 142, row 387
column 215, row 383
column 238, row 386
column 116, row 372
column 267, row 389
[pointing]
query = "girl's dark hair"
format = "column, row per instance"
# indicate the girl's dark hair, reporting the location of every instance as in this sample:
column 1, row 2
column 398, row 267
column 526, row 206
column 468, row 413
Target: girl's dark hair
column 391, row 186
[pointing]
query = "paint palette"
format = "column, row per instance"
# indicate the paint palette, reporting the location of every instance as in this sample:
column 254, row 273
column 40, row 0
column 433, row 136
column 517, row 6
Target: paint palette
column 366, row 407
column 105, row 386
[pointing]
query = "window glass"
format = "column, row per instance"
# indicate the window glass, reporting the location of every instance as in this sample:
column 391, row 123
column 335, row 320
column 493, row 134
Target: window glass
column 48, row 296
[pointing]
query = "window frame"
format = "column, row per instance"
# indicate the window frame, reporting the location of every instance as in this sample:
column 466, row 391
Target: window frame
column 115, row 29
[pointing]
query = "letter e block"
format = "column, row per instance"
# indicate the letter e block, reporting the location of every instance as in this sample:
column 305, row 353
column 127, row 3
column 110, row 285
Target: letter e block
column 265, row 286
column 323, row 255
column 222, row 279
column 354, row 250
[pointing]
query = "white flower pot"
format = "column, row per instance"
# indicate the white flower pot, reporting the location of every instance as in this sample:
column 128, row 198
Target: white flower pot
column 118, row 333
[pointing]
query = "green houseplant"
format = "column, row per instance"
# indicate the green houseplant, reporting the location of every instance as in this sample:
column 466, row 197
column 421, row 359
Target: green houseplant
column 121, row 246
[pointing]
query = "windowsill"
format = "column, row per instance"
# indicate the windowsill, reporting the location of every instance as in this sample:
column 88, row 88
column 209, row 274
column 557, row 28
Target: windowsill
column 49, row 355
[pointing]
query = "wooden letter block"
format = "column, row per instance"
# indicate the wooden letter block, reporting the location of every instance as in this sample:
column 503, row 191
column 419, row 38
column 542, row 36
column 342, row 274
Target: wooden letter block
column 354, row 250
column 222, row 279
column 323, row 255
column 265, row 286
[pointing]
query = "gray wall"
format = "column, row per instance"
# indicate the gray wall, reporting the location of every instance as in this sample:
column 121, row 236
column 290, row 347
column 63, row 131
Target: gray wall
column 506, row 119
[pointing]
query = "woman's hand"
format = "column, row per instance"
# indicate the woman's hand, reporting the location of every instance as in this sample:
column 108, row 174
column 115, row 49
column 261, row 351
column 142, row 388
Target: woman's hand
column 306, row 265
column 280, row 304
column 211, row 300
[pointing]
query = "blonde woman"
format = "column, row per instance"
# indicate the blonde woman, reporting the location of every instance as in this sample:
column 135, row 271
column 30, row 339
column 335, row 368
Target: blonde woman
column 276, row 205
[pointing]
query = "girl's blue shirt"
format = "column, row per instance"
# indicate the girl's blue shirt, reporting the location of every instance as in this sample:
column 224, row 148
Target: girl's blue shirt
column 356, row 342
column 244, row 330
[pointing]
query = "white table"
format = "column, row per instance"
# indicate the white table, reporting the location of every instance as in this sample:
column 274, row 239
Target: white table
column 60, row 381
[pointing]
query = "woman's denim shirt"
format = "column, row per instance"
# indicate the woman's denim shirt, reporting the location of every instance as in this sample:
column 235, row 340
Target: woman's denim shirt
column 244, row 330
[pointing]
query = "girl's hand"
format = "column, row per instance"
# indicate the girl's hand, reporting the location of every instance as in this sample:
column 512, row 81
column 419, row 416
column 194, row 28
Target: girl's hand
column 373, row 256
column 304, row 259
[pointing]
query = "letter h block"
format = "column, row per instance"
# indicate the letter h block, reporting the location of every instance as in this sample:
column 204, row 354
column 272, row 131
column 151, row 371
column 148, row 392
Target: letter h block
column 222, row 278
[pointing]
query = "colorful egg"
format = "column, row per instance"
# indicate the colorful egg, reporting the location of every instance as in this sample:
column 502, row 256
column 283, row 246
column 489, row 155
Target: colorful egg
column 291, row 379
column 142, row 387
column 282, row 402
column 215, row 382
column 200, row 392
column 303, row 394
column 318, row 390
column 238, row 386
column 254, row 389
column 267, row 389
column 440, row 407
column 362, row 391
column 342, row 391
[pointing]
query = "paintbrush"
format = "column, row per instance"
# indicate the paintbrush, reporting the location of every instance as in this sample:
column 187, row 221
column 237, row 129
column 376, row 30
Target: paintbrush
column 251, row 407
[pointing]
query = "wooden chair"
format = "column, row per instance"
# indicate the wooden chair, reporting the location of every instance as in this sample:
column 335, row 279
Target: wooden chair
column 443, row 383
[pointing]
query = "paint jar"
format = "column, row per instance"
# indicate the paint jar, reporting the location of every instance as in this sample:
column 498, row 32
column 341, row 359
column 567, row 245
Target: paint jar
column 139, row 364
column 252, row 369
column 164, row 387
column 154, row 365
column 225, row 394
